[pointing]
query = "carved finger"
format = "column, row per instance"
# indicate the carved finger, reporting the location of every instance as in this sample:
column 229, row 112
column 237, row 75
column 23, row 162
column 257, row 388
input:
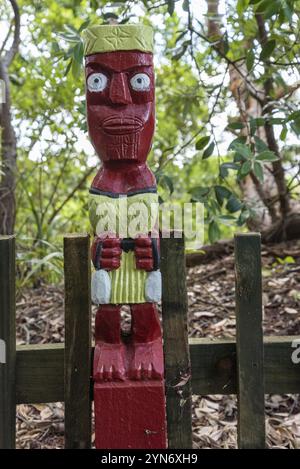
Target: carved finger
column 111, row 243
column 144, row 264
column 111, row 252
column 110, row 264
column 143, row 252
column 143, row 242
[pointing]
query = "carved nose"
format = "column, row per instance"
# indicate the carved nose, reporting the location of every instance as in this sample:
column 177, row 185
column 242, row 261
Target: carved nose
column 119, row 92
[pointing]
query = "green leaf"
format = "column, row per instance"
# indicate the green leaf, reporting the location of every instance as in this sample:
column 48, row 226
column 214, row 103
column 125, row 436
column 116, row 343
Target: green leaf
column 250, row 58
column 200, row 193
column 283, row 133
column 225, row 43
column 293, row 116
column 276, row 121
column 234, row 204
column 296, row 126
column 260, row 145
column 226, row 219
column 222, row 193
column 288, row 11
column 258, row 171
column 243, row 217
column 208, row 151
column 84, row 25
column 246, row 168
column 169, row 183
column 171, row 7
column 268, row 8
column 267, row 155
column 78, row 52
column 185, row 5
column 225, row 167
column 236, row 125
column 202, row 142
column 243, row 150
column 267, row 49
column 259, row 121
column 237, row 140
column 76, row 68
column 241, row 6
column 214, row 232
column 68, row 68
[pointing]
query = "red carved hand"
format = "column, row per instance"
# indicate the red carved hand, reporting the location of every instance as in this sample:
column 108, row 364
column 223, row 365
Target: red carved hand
column 144, row 254
column 106, row 253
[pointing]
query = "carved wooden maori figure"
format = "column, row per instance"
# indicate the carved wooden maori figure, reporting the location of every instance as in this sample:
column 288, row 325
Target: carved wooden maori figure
column 128, row 370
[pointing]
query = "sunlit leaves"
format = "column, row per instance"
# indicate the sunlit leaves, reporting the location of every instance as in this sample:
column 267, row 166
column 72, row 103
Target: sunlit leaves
column 74, row 53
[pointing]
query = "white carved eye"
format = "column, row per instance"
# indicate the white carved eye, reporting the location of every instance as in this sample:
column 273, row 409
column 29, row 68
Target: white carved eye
column 96, row 82
column 140, row 82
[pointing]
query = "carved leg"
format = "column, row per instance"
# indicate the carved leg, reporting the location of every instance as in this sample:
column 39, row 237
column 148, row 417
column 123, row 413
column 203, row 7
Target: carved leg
column 147, row 361
column 109, row 357
column 128, row 414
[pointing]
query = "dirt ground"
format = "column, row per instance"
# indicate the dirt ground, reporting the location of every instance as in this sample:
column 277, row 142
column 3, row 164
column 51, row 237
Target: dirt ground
column 211, row 314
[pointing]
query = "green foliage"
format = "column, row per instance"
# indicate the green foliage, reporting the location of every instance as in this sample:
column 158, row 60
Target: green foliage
column 189, row 157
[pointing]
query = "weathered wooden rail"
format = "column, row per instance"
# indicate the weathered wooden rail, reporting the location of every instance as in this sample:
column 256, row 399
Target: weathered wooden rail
column 249, row 367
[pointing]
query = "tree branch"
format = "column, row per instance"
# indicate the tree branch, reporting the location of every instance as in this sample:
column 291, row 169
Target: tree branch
column 278, row 170
column 69, row 197
column 10, row 54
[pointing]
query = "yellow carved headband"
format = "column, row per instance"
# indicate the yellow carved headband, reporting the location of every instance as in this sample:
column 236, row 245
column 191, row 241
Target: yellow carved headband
column 119, row 37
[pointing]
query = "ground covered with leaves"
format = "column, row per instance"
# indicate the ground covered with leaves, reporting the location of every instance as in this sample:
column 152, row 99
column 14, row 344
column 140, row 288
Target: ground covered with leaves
column 211, row 314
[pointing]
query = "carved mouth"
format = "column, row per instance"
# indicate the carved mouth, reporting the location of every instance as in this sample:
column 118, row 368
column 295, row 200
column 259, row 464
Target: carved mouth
column 122, row 126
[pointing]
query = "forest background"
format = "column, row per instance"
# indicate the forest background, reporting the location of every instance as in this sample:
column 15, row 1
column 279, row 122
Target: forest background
column 228, row 119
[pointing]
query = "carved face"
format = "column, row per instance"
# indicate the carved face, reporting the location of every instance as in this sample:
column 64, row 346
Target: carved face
column 120, row 104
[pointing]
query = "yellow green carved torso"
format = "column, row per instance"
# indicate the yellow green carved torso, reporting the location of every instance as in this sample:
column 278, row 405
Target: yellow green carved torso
column 125, row 217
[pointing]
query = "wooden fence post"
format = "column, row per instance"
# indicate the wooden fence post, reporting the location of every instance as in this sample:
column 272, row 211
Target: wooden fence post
column 250, row 372
column 176, row 347
column 77, row 342
column 8, row 343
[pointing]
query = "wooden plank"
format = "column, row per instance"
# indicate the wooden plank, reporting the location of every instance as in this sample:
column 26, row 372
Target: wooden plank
column 8, row 343
column 77, row 342
column 40, row 373
column 40, row 369
column 176, row 349
column 250, row 363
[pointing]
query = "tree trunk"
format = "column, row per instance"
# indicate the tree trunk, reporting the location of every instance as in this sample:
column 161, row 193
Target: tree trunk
column 8, row 161
column 270, row 199
column 8, row 137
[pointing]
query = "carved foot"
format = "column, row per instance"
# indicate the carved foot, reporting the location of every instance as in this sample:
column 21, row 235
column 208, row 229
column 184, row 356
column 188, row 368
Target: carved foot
column 109, row 362
column 147, row 362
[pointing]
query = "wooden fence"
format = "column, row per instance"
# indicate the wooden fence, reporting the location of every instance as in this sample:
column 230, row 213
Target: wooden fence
column 249, row 367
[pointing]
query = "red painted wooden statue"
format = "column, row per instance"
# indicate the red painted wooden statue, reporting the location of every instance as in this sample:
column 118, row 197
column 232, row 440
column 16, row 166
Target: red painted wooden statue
column 128, row 370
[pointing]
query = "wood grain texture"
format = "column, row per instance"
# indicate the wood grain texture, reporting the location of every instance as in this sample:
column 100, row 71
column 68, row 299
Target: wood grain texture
column 40, row 369
column 77, row 372
column 250, row 360
column 8, row 336
column 176, row 348
column 119, row 427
